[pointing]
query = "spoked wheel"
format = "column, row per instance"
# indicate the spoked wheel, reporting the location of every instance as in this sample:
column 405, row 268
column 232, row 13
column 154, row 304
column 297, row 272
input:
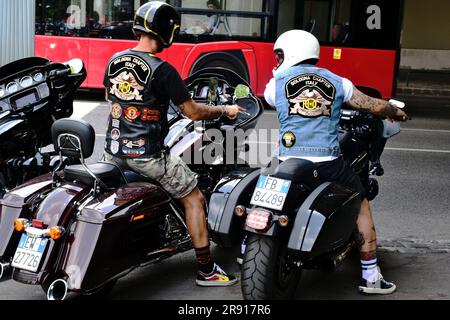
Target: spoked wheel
column 266, row 271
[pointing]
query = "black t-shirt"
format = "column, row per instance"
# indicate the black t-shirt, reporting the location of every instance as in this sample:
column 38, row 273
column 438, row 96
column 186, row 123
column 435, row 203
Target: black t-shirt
column 166, row 83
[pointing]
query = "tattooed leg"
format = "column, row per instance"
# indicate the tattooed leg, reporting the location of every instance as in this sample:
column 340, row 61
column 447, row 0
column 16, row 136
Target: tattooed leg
column 371, row 255
column 366, row 228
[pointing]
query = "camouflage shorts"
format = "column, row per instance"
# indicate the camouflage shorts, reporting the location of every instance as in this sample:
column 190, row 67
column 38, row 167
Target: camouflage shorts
column 170, row 171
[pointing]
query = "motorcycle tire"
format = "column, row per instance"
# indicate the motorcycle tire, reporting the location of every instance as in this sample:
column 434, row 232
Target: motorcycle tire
column 266, row 275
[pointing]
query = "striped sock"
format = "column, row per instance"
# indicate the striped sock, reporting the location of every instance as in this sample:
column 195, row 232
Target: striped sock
column 369, row 270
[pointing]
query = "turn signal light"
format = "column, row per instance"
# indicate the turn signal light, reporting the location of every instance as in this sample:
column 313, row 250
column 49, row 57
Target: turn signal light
column 56, row 232
column 20, row 224
column 283, row 221
column 240, row 211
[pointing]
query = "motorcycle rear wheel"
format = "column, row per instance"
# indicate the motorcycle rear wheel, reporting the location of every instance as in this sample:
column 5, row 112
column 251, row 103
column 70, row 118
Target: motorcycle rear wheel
column 266, row 273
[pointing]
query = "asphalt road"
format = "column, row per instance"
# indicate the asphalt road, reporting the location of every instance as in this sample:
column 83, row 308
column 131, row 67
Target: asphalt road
column 411, row 215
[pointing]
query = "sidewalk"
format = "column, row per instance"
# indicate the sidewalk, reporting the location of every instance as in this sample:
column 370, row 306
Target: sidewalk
column 423, row 83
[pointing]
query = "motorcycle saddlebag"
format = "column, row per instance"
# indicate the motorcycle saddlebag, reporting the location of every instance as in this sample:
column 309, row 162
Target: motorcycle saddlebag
column 225, row 228
column 114, row 233
column 326, row 220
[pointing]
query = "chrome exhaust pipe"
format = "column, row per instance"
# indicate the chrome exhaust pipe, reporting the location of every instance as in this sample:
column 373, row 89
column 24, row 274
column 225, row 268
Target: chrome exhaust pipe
column 3, row 267
column 57, row 290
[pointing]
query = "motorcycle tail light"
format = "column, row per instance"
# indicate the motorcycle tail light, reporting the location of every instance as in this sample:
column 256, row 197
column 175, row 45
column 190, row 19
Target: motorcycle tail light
column 38, row 224
column 20, row 224
column 259, row 219
column 56, row 232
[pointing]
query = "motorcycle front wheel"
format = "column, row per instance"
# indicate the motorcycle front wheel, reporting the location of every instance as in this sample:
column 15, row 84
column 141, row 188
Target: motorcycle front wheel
column 266, row 271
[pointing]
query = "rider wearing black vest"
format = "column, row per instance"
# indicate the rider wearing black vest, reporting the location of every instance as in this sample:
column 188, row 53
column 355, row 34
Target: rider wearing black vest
column 139, row 87
column 138, row 119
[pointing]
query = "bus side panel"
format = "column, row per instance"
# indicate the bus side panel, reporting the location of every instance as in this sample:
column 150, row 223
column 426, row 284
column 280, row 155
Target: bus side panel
column 364, row 67
column 198, row 50
column 61, row 49
column 100, row 52
column 264, row 64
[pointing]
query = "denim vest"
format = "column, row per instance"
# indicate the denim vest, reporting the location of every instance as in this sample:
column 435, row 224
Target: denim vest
column 308, row 102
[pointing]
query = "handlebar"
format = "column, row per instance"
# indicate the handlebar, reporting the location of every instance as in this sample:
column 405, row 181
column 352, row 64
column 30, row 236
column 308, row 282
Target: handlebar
column 59, row 73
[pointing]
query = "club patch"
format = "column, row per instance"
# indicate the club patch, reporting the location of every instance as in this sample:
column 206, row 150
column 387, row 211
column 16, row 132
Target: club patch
column 115, row 134
column 115, row 147
column 289, row 139
column 126, row 88
column 128, row 75
column 115, row 123
column 132, row 113
column 150, row 115
column 116, row 111
column 310, row 96
column 133, row 148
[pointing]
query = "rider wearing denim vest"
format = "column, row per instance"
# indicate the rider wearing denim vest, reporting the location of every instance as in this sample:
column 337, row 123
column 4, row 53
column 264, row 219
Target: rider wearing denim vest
column 308, row 100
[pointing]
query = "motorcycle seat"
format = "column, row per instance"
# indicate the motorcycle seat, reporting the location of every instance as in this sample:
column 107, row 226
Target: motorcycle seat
column 132, row 176
column 109, row 174
column 297, row 170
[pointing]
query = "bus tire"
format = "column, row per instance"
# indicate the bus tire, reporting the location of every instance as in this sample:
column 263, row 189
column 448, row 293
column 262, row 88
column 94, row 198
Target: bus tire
column 233, row 60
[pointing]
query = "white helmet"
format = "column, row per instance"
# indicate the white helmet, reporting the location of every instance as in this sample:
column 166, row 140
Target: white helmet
column 293, row 47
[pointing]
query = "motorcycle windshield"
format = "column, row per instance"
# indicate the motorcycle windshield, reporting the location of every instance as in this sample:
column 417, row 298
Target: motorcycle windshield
column 22, row 64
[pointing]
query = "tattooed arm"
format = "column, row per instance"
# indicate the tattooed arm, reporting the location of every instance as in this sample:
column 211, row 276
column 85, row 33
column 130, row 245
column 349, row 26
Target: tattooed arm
column 198, row 111
column 379, row 107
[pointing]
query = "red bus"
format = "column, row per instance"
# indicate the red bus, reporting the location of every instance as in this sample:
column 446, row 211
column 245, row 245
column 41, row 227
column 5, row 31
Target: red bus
column 360, row 38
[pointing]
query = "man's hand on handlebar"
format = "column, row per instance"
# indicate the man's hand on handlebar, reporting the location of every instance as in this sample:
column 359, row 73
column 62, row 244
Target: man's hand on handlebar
column 233, row 111
column 399, row 116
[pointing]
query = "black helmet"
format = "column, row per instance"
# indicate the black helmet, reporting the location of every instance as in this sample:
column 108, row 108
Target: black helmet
column 159, row 20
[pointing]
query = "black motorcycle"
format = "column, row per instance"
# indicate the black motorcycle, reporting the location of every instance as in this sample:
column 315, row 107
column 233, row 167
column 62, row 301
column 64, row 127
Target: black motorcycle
column 290, row 219
column 85, row 226
column 34, row 92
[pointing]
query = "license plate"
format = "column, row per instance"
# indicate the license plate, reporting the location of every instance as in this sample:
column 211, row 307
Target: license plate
column 29, row 253
column 270, row 192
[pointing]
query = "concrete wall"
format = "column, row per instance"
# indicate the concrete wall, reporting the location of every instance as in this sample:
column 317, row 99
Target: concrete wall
column 426, row 35
column 16, row 29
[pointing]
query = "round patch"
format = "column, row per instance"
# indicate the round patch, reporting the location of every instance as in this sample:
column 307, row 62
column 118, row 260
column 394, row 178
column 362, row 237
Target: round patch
column 132, row 113
column 115, row 134
column 289, row 139
column 125, row 87
column 115, row 147
column 116, row 111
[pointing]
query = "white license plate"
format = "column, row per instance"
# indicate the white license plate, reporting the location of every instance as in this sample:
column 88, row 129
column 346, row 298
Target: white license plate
column 270, row 192
column 29, row 253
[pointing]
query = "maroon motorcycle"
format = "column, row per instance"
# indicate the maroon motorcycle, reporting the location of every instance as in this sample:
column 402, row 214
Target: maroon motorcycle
column 82, row 227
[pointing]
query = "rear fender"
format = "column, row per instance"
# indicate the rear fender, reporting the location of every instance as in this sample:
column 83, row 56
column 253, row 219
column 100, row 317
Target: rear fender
column 58, row 209
column 17, row 204
column 225, row 228
column 326, row 219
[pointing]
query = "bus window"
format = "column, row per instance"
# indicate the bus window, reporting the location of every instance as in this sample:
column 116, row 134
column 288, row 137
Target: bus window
column 316, row 18
column 86, row 18
column 220, row 19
